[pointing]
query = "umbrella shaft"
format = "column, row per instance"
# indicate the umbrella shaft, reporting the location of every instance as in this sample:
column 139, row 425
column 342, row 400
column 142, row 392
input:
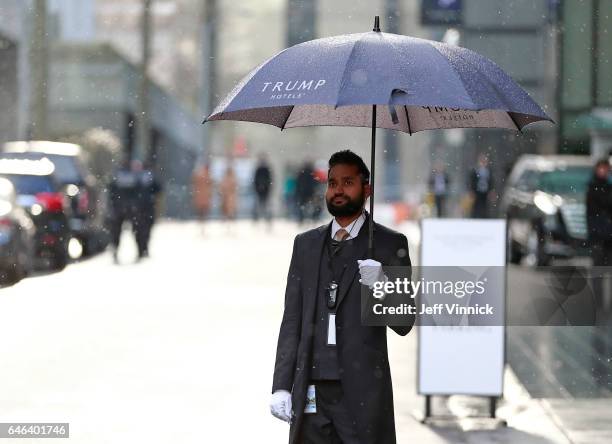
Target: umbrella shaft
column 372, row 168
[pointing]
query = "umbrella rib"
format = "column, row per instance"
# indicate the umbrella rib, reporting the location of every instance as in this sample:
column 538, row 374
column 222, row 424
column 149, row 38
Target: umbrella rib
column 408, row 120
column 493, row 86
column 515, row 123
column 287, row 119
column 456, row 72
column 343, row 79
column 500, row 95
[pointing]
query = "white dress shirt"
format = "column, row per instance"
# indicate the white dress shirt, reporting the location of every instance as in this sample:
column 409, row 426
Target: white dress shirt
column 352, row 228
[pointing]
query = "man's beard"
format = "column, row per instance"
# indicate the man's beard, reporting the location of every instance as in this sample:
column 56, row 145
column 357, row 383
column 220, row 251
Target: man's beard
column 349, row 208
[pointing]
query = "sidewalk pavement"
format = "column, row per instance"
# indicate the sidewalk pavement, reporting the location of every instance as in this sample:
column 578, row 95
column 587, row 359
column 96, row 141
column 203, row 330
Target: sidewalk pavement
column 583, row 421
column 180, row 348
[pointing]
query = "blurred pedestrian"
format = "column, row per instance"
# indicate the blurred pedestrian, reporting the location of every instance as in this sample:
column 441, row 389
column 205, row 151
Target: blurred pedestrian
column 228, row 189
column 201, row 188
column 599, row 225
column 262, row 184
column 599, row 214
column 289, row 193
column 147, row 189
column 438, row 185
column 481, row 187
column 122, row 194
column 305, row 188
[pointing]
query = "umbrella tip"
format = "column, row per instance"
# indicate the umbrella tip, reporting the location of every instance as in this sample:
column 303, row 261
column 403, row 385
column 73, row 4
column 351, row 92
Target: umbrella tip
column 376, row 24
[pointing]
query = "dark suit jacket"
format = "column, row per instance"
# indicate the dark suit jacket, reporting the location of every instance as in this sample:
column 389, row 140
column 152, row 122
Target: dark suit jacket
column 362, row 351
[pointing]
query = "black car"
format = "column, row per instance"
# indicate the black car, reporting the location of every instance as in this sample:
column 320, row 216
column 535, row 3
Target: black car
column 16, row 237
column 544, row 203
column 39, row 193
column 87, row 204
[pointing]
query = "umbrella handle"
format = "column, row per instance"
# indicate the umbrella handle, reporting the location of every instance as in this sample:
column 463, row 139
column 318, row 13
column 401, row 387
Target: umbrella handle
column 392, row 111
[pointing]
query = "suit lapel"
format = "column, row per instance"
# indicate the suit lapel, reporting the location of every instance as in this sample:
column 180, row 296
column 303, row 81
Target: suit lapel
column 313, row 270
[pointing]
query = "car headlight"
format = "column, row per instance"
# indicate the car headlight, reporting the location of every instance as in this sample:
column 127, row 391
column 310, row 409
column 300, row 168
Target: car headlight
column 546, row 203
column 36, row 209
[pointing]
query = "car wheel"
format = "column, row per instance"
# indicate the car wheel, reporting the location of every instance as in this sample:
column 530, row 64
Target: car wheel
column 536, row 257
column 60, row 261
column 12, row 275
column 89, row 245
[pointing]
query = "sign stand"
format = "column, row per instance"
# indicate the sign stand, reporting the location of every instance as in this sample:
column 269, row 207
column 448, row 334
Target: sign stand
column 446, row 242
column 428, row 415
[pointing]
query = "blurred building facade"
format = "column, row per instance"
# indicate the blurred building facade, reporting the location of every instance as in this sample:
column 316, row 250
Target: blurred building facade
column 175, row 58
column 72, row 20
column 15, row 31
column 92, row 85
column 89, row 84
column 8, row 88
column 584, row 98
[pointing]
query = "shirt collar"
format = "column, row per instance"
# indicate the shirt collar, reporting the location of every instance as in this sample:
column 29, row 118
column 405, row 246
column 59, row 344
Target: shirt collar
column 352, row 228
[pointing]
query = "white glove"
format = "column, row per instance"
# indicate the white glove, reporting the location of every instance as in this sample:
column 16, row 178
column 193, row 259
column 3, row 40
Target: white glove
column 280, row 405
column 371, row 271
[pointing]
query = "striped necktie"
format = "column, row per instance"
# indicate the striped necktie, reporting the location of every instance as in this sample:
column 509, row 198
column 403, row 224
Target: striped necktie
column 341, row 235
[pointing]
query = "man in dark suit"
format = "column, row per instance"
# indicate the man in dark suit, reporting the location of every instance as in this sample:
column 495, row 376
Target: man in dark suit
column 332, row 380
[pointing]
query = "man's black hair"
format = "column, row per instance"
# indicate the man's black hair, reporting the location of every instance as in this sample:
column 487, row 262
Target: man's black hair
column 347, row 157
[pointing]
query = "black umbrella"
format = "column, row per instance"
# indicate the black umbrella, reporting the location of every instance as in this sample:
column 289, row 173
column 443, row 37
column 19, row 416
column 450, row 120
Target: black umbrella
column 342, row 80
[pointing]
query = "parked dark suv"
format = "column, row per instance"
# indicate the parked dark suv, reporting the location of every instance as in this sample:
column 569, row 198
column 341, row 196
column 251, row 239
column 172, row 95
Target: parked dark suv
column 544, row 203
column 87, row 204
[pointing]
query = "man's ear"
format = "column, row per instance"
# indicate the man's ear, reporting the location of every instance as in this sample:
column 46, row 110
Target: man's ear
column 367, row 190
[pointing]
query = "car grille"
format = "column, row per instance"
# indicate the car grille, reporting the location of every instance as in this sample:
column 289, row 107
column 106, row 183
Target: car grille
column 574, row 218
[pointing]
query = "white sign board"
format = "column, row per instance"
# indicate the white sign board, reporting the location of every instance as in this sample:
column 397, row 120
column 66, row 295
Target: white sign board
column 462, row 360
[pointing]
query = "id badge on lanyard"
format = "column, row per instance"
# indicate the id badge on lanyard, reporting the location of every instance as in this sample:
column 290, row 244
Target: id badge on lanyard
column 332, row 296
column 331, row 329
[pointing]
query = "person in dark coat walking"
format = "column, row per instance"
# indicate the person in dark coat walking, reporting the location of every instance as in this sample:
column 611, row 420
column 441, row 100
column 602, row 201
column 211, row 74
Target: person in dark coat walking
column 481, row 186
column 599, row 214
column 599, row 224
column 305, row 186
column 341, row 378
column 439, row 183
column 147, row 189
column 122, row 194
column 262, row 183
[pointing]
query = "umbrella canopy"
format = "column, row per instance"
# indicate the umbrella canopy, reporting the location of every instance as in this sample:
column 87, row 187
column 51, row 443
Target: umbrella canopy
column 340, row 81
column 335, row 81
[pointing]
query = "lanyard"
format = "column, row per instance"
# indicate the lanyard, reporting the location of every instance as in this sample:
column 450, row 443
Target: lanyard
column 337, row 277
column 332, row 288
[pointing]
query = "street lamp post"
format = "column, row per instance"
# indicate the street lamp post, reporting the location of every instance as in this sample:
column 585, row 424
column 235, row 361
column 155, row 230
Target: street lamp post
column 209, row 58
column 143, row 124
column 39, row 57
